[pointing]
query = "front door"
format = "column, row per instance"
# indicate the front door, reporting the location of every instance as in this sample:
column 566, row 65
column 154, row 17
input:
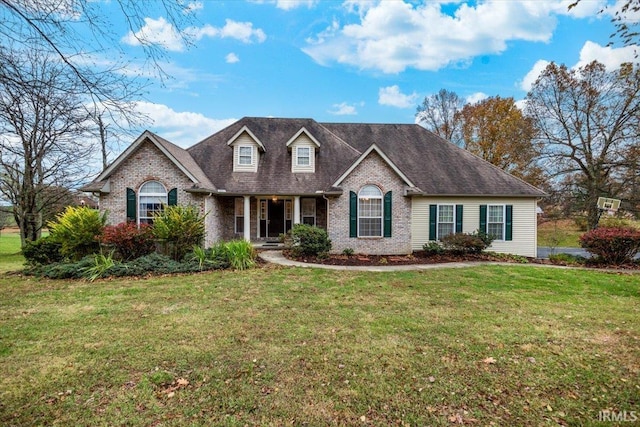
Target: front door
column 275, row 224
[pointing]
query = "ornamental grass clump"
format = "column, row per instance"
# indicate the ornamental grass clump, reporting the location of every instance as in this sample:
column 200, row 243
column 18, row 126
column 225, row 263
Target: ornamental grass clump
column 78, row 230
column 612, row 245
column 181, row 228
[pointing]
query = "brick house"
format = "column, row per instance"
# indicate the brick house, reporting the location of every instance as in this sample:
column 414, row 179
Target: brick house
column 375, row 188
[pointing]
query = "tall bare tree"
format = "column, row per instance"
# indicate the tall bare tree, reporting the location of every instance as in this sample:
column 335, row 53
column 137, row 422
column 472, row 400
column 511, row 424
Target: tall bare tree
column 438, row 113
column 589, row 123
column 496, row 130
column 44, row 140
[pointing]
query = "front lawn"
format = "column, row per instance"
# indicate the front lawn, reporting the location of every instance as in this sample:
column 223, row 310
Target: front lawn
column 11, row 258
column 516, row 345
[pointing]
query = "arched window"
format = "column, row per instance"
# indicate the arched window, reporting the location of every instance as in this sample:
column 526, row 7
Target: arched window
column 370, row 211
column 151, row 199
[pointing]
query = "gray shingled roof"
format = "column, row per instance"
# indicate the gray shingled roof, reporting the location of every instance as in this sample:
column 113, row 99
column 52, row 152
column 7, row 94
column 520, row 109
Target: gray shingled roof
column 434, row 165
column 180, row 155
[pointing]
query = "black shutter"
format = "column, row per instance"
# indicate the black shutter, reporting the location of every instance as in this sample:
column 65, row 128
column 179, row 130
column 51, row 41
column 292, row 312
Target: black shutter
column 458, row 218
column 172, row 197
column 131, row 205
column 433, row 216
column 387, row 214
column 508, row 226
column 353, row 214
column 483, row 218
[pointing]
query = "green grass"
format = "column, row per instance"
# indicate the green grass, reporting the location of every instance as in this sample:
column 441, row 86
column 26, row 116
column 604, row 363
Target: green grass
column 11, row 258
column 516, row 345
column 559, row 233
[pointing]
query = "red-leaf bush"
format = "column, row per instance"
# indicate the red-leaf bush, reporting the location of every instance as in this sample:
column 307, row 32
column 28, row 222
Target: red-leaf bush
column 612, row 245
column 465, row 243
column 129, row 240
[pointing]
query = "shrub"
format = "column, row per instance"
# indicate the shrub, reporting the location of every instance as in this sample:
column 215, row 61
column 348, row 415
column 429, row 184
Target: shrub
column 462, row 243
column 129, row 240
column 309, row 240
column 347, row 251
column 63, row 270
column 612, row 245
column 567, row 259
column 43, row 251
column 182, row 227
column 433, row 248
column 78, row 230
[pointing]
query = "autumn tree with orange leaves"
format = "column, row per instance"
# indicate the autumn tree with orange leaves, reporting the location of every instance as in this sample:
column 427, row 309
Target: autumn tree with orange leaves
column 496, row 130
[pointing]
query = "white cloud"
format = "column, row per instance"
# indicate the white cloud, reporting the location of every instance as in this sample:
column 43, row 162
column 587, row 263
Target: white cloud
column 476, row 97
column 392, row 96
column 343, row 109
column 531, row 77
column 156, row 31
column 160, row 31
column 242, row 31
column 610, row 57
column 193, row 7
column 394, row 35
column 182, row 128
column 232, row 58
column 293, row 4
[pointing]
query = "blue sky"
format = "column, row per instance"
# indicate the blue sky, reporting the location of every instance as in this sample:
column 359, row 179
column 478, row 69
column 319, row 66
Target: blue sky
column 356, row 61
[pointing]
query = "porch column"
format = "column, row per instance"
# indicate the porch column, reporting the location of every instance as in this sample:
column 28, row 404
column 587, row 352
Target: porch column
column 296, row 210
column 247, row 218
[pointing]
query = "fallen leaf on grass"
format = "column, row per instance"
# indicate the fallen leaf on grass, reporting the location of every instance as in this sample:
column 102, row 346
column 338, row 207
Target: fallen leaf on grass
column 489, row 360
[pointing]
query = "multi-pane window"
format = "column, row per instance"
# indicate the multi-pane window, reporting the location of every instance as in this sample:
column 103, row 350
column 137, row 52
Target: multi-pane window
column 370, row 212
column 239, row 214
column 151, row 200
column 309, row 211
column 495, row 221
column 303, row 156
column 245, row 155
column 446, row 220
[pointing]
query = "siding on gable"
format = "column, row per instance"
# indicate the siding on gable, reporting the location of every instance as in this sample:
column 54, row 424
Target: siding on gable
column 525, row 231
column 245, row 140
column 303, row 141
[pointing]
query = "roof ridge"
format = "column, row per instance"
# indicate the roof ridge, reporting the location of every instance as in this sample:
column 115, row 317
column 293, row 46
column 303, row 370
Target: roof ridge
column 338, row 138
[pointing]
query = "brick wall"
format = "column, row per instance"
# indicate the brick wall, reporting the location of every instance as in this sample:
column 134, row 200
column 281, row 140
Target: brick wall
column 372, row 170
column 147, row 163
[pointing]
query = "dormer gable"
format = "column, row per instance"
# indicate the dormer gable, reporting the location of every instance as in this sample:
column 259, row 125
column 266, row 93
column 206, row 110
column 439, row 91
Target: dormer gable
column 246, row 150
column 303, row 146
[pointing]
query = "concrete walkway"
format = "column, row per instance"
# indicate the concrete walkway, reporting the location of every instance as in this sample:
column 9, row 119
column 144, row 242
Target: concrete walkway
column 276, row 257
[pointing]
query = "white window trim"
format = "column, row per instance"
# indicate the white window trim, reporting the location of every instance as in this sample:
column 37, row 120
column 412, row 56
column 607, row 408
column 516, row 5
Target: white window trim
column 315, row 210
column 504, row 221
column 140, row 194
column 240, row 155
column 307, row 156
column 381, row 198
column 236, row 216
column 438, row 219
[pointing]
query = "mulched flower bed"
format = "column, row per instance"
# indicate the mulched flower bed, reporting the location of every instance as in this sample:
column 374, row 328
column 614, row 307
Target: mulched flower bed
column 415, row 258
column 422, row 258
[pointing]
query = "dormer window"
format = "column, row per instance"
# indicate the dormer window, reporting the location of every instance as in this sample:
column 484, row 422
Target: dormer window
column 245, row 155
column 303, row 156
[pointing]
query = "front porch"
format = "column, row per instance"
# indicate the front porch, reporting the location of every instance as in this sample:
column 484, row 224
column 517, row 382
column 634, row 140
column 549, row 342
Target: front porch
column 263, row 219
